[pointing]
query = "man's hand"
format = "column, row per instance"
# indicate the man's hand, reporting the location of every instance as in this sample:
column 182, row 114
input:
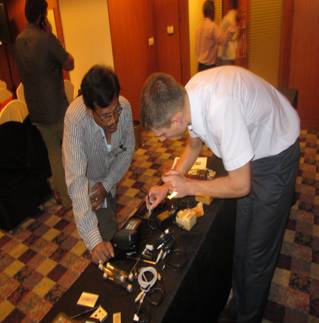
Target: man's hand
column 156, row 195
column 68, row 65
column 102, row 252
column 97, row 195
column 177, row 183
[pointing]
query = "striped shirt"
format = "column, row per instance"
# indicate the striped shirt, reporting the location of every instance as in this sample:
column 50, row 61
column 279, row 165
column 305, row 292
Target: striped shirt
column 88, row 159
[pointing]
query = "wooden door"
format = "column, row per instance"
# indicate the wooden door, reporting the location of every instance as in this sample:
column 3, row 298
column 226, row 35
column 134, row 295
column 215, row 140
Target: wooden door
column 132, row 28
column 304, row 70
column 15, row 10
column 168, row 37
column 133, row 24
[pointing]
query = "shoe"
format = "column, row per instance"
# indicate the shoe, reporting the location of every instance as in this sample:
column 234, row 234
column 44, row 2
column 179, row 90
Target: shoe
column 66, row 202
column 59, row 209
column 51, row 207
column 57, row 197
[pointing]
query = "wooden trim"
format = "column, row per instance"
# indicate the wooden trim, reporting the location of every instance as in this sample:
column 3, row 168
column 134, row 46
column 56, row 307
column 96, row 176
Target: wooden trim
column 15, row 10
column 242, row 60
column 285, row 43
column 55, row 6
column 184, row 40
column 226, row 5
column 58, row 22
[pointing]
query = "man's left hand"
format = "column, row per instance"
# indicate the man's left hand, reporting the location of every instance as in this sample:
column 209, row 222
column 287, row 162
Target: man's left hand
column 97, row 195
column 177, row 183
column 103, row 251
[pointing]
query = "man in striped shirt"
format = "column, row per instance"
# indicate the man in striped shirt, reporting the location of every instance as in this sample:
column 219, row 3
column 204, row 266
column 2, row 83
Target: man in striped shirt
column 98, row 144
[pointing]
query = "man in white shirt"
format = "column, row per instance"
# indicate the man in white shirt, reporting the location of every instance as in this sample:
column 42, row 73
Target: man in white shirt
column 208, row 37
column 254, row 129
column 227, row 51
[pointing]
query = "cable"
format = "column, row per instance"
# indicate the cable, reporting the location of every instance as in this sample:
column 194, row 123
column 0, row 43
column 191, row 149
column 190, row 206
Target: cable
column 143, row 281
column 142, row 315
column 90, row 310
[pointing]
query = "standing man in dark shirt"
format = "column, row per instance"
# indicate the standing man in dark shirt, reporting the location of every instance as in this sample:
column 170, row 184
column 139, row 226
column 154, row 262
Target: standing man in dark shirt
column 41, row 60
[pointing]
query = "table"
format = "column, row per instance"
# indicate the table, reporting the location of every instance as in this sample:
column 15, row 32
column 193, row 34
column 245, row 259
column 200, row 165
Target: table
column 195, row 293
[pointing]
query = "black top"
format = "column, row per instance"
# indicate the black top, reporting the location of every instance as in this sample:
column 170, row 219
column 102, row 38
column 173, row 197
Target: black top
column 40, row 57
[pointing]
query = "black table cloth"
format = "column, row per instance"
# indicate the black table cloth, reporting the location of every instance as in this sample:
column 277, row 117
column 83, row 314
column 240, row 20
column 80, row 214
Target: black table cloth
column 197, row 292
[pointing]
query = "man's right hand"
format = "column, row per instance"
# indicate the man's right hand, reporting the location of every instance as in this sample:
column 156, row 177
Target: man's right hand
column 102, row 252
column 156, row 195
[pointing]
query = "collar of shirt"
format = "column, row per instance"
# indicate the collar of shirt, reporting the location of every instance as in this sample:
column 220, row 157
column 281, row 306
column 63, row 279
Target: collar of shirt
column 99, row 132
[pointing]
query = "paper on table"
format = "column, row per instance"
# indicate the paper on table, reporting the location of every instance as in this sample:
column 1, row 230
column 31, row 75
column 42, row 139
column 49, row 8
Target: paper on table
column 200, row 163
column 88, row 299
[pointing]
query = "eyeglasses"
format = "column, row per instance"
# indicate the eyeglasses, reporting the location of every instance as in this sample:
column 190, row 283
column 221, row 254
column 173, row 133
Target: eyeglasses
column 107, row 117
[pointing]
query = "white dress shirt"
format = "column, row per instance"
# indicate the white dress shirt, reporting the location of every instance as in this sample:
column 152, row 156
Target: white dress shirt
column 207, row 39
column 240, row 116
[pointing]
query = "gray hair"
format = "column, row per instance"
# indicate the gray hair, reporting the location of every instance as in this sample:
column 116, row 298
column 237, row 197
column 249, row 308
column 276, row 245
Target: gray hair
column 162, row 96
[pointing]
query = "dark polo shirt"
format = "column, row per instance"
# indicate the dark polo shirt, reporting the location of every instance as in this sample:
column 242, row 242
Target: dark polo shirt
column 40, row 57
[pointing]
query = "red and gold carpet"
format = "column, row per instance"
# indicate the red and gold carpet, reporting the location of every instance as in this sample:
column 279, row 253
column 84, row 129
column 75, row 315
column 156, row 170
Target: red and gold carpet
column 41, row 258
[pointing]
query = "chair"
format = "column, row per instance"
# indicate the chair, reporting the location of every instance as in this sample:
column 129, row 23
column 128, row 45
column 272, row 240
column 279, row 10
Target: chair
column 290, row 94
column 20, row 92
column 69, row 90
column 15, row 110
column 24, row 166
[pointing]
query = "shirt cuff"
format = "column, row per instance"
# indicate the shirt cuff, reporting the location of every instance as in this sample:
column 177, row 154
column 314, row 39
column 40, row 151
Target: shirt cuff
column 92, row 238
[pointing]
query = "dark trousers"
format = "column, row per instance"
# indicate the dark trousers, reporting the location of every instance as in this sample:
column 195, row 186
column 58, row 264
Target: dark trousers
column 107, row 219
column 260, row 224
column 202, row 67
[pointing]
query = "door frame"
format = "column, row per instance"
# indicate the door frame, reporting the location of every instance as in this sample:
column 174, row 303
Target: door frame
column 285, row 43
column 184, row 40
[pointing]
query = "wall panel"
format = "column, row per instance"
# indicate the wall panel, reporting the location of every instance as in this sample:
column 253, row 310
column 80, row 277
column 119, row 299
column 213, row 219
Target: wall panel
column 264, row 27
column 86, row 34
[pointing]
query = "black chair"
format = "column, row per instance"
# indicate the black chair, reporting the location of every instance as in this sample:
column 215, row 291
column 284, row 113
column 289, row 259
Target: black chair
column 24, row 172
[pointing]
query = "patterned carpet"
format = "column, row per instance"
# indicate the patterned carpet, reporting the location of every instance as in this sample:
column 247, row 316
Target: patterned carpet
column 294, row 294
column 41, row 259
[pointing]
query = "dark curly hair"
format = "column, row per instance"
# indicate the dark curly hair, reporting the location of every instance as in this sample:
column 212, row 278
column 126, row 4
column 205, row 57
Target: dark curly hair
column 209, row 9
column 99, row 87
column 34, row 9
